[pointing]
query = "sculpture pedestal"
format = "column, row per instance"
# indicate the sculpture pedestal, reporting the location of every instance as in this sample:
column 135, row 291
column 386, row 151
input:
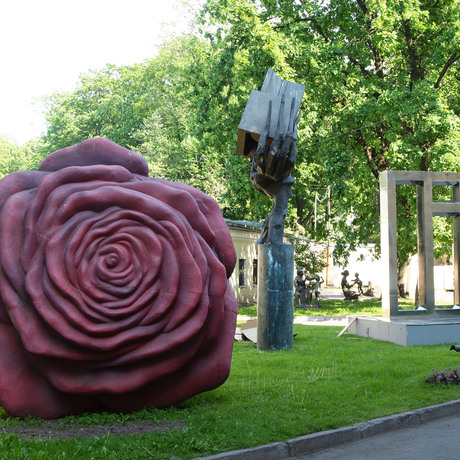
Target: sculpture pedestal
column 275, row 296
column 405, row 331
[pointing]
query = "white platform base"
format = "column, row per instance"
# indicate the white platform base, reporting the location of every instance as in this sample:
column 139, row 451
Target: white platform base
column 405, row 331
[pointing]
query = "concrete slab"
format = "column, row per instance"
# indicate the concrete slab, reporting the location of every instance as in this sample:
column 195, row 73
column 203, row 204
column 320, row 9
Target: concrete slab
column 407, row 331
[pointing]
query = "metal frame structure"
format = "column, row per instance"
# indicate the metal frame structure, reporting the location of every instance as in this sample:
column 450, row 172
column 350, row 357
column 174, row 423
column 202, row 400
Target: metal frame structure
column 426, row 209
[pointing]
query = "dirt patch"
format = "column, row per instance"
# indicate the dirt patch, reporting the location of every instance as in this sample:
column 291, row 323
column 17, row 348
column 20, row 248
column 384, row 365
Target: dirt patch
column 54, row 429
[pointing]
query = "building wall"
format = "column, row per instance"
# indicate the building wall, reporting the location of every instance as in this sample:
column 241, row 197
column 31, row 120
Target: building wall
column 244, row 277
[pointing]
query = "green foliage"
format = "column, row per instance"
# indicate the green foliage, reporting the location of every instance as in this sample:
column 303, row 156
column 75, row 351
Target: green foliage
column 180, row 139
column 112, row 102
column 166, row 108
column 382, row 92
column 311, row 259
column 14, row 157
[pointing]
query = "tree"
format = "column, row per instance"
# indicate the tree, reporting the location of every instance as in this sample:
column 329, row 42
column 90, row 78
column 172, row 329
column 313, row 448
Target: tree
column 179, row 133
column 164, row 108
column 14, row 157
column 382, row 93
column 112, row 102
column 245, row 46
column 306, row 256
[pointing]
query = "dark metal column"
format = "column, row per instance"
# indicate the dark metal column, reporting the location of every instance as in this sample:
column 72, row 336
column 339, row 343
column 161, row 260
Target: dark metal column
column 275, row 296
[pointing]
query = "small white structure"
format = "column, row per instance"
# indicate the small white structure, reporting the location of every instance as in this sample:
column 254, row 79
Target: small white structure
column 244, row 278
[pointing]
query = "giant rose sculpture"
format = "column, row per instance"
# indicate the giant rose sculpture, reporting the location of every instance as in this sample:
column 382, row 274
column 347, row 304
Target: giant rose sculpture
column 114, row 290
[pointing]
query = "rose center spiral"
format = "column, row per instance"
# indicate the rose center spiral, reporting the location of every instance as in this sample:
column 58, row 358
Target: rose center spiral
column 112, row 260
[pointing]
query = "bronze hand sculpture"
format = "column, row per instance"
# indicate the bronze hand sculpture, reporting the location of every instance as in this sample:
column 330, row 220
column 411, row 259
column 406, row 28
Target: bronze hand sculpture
column 272, row 164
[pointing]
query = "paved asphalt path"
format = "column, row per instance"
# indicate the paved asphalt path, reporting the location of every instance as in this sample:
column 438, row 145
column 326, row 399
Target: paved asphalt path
column 439, row 439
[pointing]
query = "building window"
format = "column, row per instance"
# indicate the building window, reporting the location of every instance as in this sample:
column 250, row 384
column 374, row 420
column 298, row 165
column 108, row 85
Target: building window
column 254, row 272
column 242, row 272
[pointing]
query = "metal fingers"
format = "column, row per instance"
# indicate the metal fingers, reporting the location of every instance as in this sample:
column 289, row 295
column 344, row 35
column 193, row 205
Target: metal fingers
column 273, row 165
column 276, row 161
column 288, row 151
column 264, row 136
column 279, row 133
column 261, row 152
column 293, row 150
column 291, row 133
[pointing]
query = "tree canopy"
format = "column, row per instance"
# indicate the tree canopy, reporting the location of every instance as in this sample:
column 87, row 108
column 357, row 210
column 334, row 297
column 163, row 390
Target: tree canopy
column 14, row 157
column 382, row 92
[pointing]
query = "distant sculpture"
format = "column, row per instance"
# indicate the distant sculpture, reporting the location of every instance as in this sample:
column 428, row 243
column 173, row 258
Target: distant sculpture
column 309, row 290
column 346, row 286
column 114, row 286
column 358, row 283
column 370, row 290
column 300, row 288
column 318, row 280
column 304, row 289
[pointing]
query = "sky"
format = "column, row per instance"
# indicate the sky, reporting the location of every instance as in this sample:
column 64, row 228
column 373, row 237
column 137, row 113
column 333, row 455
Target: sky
column 46, row 44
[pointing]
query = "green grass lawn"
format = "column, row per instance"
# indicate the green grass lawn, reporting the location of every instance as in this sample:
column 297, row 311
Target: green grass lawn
column 325, row 382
